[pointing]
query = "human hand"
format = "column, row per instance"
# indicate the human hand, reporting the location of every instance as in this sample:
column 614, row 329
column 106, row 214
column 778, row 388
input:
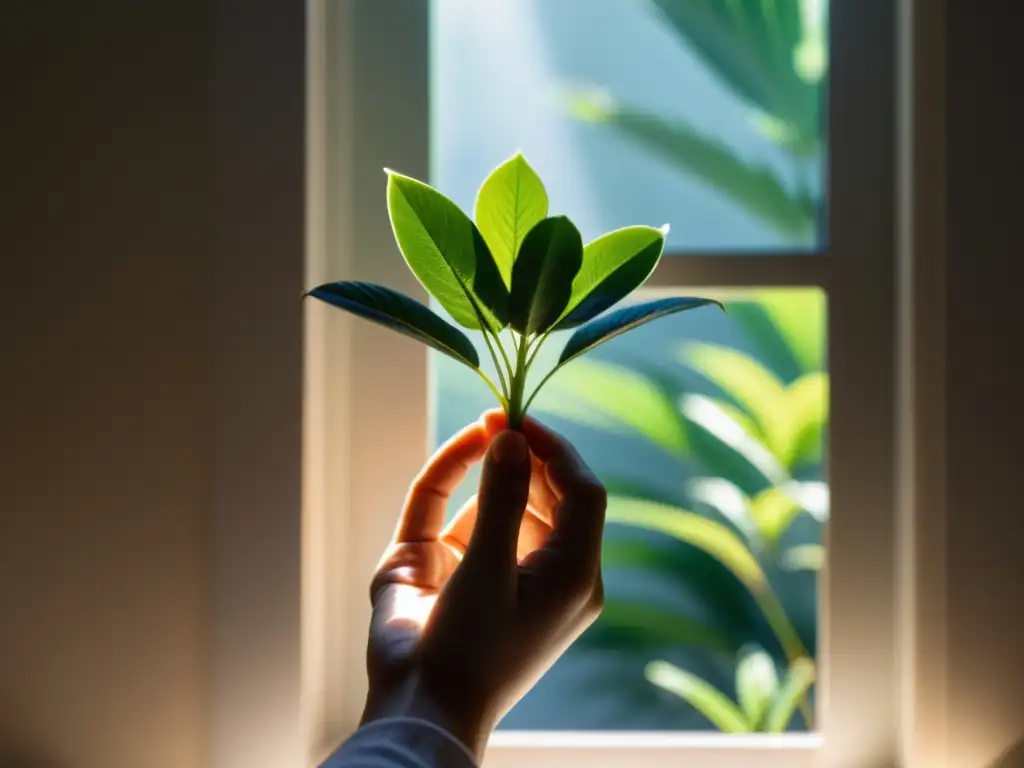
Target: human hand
column 467, row 617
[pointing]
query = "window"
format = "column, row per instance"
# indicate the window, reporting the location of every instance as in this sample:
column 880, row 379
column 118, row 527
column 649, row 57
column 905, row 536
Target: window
column 631, row 116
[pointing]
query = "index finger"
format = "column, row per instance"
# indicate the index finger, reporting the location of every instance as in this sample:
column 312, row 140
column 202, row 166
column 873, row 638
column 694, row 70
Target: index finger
column 424, row 511
column 579, row 518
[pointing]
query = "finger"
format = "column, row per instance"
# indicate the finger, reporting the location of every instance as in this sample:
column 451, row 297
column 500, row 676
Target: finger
column 542, row 499
column 533, row 531
column 501, row 501
column 457, row 533
column 495, row 421
column 579, row 516
column 423, row 514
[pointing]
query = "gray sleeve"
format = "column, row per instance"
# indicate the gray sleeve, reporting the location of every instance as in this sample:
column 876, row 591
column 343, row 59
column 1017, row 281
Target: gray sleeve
column 401, row 743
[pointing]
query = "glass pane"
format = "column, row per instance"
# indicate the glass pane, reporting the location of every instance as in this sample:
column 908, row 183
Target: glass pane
column 702, row 418
column 705, row 115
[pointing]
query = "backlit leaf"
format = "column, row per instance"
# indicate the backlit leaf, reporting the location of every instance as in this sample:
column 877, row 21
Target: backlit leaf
column 756, row 684
column 605, row 395
column 799, row 314
column 701, row 695
column 805, row 557
column 510, row 202
column 447, row 253
column 798, row 681
column 399, row 313
column 614, row 265
column 548, row 260
column 712, row 537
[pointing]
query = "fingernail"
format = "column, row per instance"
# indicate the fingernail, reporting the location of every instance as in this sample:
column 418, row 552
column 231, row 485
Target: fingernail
column 509, row 448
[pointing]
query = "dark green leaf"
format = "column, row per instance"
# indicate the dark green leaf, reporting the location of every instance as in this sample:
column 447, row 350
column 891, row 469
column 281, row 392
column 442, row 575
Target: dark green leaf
column 399, row 313
column 618, row 322
column 721, row 601
column 447, row 253
column 543, row 273
column 510, row 202
column 627, row 624
column 614, row 265
column 712, row 537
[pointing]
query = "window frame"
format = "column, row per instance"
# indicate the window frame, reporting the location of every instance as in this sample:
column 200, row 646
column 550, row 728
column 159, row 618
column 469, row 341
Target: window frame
column 355, row 461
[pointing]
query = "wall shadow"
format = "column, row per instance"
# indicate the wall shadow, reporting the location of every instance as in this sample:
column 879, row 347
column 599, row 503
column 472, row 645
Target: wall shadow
column 1012, row 757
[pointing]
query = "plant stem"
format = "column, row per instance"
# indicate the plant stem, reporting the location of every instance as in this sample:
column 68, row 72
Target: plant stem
column 794, row 649
column 490, row 384
column 543, row 381
column 494, row 357
column 516, row 406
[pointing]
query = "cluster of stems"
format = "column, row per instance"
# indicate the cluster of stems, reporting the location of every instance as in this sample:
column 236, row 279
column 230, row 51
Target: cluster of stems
column 511, row 387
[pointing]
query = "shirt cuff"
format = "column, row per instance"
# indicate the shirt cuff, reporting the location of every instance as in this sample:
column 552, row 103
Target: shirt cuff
column 402, row 742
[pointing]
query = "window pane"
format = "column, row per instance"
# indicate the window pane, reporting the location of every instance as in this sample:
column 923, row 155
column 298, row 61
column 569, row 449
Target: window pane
column 705, row 115
column 702, row 421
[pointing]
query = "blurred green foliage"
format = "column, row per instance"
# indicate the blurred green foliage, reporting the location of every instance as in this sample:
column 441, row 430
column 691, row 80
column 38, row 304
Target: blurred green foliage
column 773, row 56
column 752, row 451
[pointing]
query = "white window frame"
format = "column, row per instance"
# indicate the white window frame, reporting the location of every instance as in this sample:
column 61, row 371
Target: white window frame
column 367, row 75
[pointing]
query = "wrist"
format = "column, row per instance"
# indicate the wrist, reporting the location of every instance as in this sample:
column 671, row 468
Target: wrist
column 410, row 700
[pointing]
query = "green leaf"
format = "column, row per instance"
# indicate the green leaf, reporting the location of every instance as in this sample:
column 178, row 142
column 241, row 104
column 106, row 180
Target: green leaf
column 711, row 537
column 753, row 46
column 799, row 314
column 447, row 253
column 542, row 276
column 701, row 695
column 750, row 385
column 772, row 349
column 756, row 684
column 790, row 419
column 625, row 623
column 621, row 320
column 730, row 502
column 756, row 189
column 608, row 396
column 399, row 313
column 721, row 601
column 614, row 265
column 798, row 681
column 773, row 510
column 725, row 430
column 805, row 557
column 510, row 202
column 805, row 418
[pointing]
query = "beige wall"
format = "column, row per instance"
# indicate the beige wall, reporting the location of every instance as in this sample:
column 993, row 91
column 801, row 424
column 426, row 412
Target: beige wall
column 105, row 391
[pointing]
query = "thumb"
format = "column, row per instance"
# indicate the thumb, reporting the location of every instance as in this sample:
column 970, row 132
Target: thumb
column 501, row 500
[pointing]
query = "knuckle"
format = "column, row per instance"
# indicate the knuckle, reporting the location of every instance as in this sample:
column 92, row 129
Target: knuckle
column 595, row 600
column 592, row 493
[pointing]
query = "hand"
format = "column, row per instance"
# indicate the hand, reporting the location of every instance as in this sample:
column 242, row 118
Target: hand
column 468, row 617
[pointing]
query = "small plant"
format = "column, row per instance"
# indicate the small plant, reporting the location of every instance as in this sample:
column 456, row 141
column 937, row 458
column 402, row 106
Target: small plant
column 515, row 267
column 766, row 704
